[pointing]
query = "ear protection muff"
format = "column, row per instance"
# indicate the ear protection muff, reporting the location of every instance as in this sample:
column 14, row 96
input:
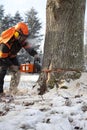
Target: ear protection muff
column 16, row 34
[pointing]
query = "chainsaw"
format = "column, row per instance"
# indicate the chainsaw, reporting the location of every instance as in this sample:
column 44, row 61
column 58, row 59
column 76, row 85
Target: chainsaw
column 34, row 67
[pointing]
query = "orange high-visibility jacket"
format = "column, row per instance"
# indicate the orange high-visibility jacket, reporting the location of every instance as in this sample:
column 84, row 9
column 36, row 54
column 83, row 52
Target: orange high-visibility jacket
column 9, row 46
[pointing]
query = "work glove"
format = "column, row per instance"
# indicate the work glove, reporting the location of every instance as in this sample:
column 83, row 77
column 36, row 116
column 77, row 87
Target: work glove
column 14, row 68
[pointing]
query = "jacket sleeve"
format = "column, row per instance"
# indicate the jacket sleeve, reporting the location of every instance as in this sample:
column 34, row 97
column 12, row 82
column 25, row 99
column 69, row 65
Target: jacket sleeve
column 30, row 50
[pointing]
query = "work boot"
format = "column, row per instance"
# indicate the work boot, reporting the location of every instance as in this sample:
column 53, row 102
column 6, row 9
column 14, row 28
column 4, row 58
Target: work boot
column 5, row 97
column 2, row 95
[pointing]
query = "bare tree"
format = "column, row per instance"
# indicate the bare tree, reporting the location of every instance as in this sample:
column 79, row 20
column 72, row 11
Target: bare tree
column 64, row 40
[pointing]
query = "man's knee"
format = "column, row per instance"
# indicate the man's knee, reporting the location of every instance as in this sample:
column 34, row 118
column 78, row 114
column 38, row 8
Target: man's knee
column 14, row 68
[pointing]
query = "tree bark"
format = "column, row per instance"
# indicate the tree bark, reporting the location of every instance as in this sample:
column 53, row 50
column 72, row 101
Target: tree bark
column 64, row 39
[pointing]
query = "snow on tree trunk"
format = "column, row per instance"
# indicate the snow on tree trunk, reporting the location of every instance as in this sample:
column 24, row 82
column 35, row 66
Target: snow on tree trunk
column 64, row 37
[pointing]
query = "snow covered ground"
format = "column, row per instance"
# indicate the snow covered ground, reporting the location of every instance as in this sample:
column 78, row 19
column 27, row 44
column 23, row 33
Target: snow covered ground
column 59, row 109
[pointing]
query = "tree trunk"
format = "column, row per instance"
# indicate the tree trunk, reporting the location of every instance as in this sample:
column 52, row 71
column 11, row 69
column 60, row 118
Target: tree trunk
column 64, row 38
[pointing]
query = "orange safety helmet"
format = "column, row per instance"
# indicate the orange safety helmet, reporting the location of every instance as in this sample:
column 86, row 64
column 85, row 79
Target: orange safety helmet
column 22, row 27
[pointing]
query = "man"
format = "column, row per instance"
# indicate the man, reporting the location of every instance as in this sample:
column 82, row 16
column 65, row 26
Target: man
column 11, row 41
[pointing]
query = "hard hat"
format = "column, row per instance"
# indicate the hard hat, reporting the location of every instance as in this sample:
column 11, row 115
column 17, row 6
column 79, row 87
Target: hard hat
column 22, row 27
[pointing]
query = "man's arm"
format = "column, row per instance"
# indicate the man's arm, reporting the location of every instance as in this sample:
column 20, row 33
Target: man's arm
column 29, row 49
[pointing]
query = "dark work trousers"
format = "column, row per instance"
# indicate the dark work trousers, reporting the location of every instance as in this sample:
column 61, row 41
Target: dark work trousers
column 4, row 66
column 3, row 70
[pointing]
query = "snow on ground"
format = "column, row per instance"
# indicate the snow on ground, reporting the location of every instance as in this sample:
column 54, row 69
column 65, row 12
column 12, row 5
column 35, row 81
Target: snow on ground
column 58, row 109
